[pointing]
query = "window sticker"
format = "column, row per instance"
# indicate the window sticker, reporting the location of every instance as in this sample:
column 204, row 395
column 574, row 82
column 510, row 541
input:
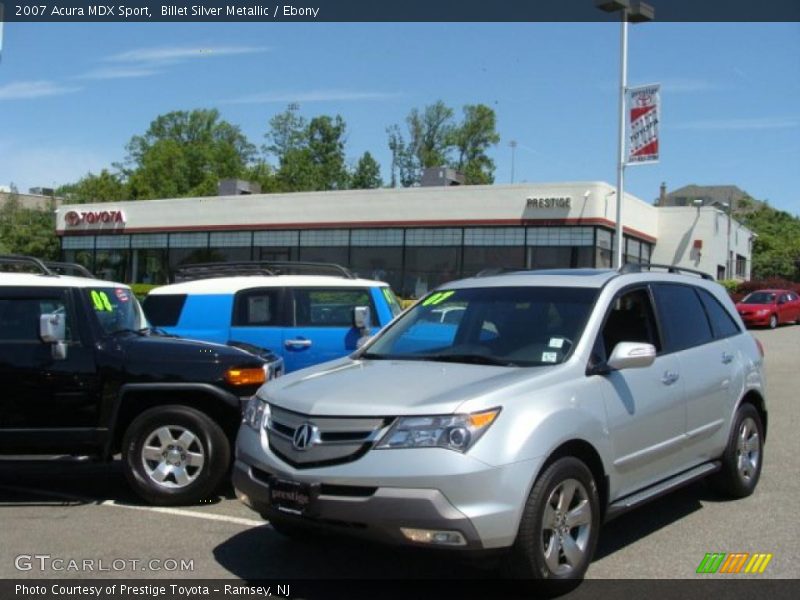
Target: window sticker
column 438, row 298
column 101, row 301
column 549, row 357
column 556, row 342
column 121, row 294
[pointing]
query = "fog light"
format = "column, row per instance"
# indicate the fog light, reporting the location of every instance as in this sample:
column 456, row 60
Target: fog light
column 243, row 498
column 433, row 536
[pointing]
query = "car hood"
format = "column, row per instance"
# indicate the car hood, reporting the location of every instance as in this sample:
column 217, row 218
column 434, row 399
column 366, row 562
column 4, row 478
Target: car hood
column 389, row 387
column 162, row 349
column 753, row 307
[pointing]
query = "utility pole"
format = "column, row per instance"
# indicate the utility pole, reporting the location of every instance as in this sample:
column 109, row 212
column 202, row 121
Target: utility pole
column 513, row 144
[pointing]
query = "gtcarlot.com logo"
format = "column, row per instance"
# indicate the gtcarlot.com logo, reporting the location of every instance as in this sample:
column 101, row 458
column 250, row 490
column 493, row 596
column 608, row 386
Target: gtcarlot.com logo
column 735, row 562
column 46, row 562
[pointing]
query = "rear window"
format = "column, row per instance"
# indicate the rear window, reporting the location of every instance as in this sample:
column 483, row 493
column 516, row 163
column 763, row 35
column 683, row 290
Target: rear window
column 683, row 319
column 722, row 323
column 164, row 310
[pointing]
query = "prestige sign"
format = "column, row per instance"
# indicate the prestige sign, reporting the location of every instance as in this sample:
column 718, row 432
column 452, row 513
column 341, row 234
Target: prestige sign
column 550, row 202
column 95, row 218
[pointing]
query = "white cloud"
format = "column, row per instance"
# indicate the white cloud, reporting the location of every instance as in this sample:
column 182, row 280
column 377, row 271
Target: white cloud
column 173, row 54
column 740, row 124
column 119, row 73
column 19, row 90
column 313, row 96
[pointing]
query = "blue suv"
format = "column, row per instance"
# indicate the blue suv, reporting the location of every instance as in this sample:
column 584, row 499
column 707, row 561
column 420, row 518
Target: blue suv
column 305, row 319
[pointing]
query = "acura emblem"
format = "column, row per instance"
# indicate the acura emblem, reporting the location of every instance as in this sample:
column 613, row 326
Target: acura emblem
column 304, row 436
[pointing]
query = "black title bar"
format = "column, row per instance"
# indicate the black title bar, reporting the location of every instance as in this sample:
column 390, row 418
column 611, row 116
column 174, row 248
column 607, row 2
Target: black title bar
column 383, row 10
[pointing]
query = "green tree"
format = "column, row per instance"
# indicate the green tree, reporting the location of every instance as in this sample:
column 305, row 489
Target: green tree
column 367, row 174
column 433, row 139
column 27, row 231
column 776, row 250
column 185, row 153
column 310, row 154
column 105, row 187
column 472, row 139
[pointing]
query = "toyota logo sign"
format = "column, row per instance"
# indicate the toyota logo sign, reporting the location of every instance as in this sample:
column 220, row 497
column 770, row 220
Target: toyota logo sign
column 75, row 218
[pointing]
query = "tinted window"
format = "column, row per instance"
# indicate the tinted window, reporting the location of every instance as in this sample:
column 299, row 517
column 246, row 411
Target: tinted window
column 328, row 307
column 257, row 308
column 164, row 311
column 631, row 320
column 683, row 319
column 116, row 309
column 759, row 298
column 722, row 324
column 19, row 317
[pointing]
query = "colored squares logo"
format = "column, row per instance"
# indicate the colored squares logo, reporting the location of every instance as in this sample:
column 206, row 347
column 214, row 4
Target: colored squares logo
column 734, row 563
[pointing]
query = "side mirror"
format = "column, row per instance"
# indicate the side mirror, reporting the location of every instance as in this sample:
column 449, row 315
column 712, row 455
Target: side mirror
column 361, row 317
column 52, row 328
column 631, row 355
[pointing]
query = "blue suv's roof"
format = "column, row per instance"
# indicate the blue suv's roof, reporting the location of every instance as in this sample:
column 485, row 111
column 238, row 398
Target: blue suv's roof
column 230, row 285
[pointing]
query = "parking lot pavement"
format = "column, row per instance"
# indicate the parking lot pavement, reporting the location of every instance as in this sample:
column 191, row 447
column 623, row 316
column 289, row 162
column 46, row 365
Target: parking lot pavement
column 85, row 511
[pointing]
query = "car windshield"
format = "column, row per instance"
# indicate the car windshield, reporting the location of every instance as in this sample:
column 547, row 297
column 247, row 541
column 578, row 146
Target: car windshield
column 507, row 326
column 760, row 298
column 117, row 309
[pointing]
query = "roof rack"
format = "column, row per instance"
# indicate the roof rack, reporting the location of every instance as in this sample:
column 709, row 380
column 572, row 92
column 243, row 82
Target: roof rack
column 258, row 267
column 26, row 261
column 492, row 271
column 68, row 268
column 638, row 268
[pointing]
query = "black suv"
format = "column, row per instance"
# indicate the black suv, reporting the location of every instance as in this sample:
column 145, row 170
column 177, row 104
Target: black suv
column 82, row 373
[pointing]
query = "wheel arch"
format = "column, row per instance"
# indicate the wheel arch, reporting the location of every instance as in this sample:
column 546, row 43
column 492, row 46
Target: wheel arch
column 133, row 399
column 755, row 398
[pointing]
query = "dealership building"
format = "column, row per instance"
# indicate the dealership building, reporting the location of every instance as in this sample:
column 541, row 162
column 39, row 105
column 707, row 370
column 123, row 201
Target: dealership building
column 414, row 238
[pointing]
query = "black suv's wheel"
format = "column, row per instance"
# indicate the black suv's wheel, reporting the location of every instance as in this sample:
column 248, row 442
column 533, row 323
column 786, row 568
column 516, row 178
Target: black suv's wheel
column 744, row 455
column 559, row 527
column 175, row 455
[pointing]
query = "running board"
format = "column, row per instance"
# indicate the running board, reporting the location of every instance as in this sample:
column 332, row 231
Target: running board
column 636, row 499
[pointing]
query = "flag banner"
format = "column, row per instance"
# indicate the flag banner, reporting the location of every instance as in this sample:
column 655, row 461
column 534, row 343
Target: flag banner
column 644, row 108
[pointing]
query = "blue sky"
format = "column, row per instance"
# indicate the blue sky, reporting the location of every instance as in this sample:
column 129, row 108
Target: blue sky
column 72, row 95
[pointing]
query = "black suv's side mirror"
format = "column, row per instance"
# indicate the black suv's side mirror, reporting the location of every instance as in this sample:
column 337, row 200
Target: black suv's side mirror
column 53, row 330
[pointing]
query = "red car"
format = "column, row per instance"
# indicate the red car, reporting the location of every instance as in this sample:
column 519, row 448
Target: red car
column 769, row 308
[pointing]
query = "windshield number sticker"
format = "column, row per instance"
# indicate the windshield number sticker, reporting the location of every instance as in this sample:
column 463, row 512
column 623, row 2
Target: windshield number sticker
column 556, row 343
column 101, row 301
column 438, row 298
column 549, row 357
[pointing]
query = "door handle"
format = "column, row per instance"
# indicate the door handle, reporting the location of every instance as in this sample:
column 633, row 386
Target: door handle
column 669, row 378
column 726, row 358
column 297, row 343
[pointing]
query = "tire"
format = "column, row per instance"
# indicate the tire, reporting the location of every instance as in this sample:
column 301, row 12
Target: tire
column 773, row 321
column 539, row 552
column 743, row 456
column 175, row 454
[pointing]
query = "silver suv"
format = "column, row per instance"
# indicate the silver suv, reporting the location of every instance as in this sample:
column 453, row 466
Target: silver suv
column 551, row 402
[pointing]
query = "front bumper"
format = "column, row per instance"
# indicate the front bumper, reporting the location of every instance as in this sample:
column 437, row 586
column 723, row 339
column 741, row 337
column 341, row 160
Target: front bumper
column 386, row 490
column 754, row 320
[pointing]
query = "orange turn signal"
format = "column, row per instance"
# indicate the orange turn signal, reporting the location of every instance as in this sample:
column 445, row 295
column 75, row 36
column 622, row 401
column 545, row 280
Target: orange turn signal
column 483, row 419
column 245, row 376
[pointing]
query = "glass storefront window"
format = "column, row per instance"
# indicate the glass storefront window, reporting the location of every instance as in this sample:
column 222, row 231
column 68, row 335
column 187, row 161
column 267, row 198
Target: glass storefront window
column 379, row 263
column 113, row 265
column 478, row 258
column 149, row 265
column 277, row 253
column 82, row 257
column 427, row 267
column 329, row 254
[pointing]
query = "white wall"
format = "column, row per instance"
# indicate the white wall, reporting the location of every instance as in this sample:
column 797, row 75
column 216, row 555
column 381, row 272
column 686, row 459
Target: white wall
column 679, row 227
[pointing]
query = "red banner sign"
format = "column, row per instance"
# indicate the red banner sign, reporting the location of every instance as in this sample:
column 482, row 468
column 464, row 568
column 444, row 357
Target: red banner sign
column 644, row 107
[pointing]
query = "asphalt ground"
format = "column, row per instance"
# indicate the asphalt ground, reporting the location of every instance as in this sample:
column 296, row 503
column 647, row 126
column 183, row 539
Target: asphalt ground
column 80, row 511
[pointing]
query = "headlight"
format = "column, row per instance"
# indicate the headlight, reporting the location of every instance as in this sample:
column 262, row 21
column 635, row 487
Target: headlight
column 763, row 311
column 255, row 412
column 454, row 432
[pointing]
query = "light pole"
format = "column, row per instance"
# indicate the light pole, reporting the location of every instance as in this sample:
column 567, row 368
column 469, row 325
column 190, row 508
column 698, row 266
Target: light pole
column 513, row 144
column 631, row 12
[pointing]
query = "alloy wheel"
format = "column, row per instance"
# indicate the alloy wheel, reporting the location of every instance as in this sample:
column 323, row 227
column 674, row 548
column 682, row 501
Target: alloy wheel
column 748, row 449
column 566, row 527
column 173, row 456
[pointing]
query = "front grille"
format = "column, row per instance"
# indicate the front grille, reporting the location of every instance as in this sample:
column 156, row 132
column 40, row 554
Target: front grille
column 335, row 440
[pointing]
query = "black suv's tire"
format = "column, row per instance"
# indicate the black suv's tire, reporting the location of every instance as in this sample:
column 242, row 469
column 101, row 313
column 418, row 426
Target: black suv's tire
column 175, row 454
column 743, row 456
column 559, row 528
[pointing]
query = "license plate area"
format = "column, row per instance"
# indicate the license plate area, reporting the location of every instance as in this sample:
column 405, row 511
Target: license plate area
column 293, row 497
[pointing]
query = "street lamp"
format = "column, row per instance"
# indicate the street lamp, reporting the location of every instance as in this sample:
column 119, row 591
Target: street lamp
column 632, row 11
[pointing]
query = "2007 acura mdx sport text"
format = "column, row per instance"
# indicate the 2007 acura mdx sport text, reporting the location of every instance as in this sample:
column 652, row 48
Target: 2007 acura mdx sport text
column 558, row 400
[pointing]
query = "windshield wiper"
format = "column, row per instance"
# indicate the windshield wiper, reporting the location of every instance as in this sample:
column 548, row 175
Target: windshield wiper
column 477, row 359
